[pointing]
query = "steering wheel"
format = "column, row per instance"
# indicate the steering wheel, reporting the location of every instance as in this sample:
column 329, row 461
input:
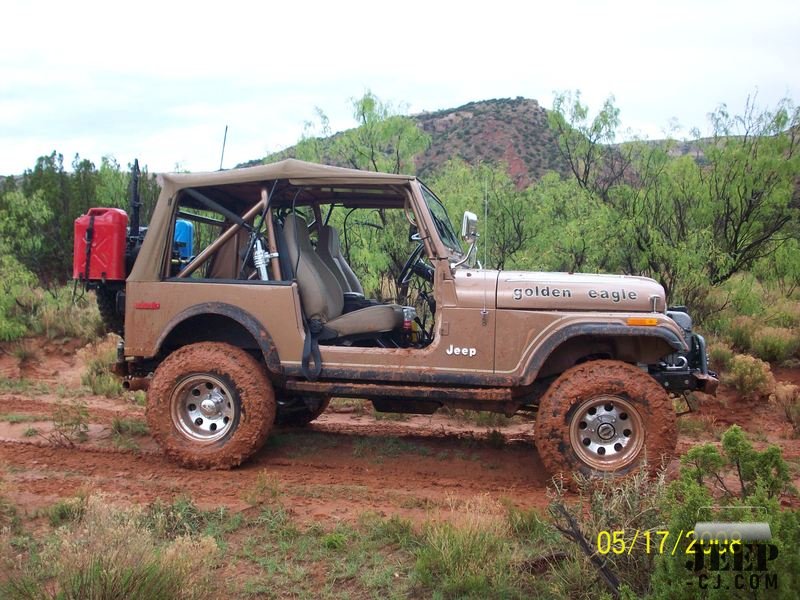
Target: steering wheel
column 415, row 265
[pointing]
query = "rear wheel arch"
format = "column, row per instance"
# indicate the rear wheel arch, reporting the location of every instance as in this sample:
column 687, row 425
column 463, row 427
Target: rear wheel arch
column 219, row 322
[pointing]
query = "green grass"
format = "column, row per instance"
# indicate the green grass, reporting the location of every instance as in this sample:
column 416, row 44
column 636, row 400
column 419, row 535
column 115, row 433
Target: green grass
column 98, row 376
column 23, row 386
column 67, row 511
column 390, row 416
column 692, row 426
column 14, row 418
column 265, row 490
column 135, row 427
column 369, row 559
column 378, row 448
column 100, row 551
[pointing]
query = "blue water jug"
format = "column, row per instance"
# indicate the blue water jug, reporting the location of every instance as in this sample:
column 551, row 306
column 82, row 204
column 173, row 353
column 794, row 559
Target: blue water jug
column 184, row 238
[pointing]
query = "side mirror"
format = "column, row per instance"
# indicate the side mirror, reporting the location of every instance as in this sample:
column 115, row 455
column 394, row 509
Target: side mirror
column 469, row 227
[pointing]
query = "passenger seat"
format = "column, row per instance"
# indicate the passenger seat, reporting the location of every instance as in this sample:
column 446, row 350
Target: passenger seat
column 330, row 251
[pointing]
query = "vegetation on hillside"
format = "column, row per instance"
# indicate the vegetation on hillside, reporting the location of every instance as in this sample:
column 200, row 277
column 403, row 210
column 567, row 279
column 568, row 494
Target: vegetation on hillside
column 639, row 207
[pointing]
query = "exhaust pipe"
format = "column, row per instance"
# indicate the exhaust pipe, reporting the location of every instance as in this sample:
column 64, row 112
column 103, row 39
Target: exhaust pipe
column 133, row 384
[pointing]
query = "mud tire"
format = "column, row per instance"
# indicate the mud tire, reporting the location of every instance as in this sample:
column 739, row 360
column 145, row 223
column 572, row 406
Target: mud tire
column 250, row 391
column 107, row 305
column 299, row 417
column 575, row 389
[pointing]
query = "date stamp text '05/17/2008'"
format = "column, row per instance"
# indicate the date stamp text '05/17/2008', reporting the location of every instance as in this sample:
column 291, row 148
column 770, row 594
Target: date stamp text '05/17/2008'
column 724, row 556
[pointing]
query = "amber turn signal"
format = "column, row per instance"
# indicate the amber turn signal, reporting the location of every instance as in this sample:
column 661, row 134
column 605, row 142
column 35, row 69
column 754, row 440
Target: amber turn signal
column 646, row 321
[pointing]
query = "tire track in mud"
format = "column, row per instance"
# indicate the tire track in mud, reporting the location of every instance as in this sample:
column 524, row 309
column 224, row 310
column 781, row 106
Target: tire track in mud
column 432, row 471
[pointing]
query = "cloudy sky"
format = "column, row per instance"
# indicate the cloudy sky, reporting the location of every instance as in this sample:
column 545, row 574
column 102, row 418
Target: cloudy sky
column 161, row 80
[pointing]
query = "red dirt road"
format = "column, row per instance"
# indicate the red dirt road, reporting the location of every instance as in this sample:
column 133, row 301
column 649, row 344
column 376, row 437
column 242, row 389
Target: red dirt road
column 345, row 464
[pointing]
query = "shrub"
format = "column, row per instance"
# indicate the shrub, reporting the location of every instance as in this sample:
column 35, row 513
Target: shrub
column 98, row 376
column 785, row 313
column 721, row 355
column 469, row 555
column 106, row 554
column 746, row 295
column 171, row 521
column 774, row 344
column 265, row 490
column 787, row 396
column 60, row 315
column 24, row 353
column 731, row 483
column 628, row 505
column 67, row 511
column 15, row 281
column 129, row 427
column 750, row 376
column 70, row 423
column 740, row 331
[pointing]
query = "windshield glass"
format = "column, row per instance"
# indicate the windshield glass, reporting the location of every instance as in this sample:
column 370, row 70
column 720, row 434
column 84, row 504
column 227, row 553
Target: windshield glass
column 441, row 220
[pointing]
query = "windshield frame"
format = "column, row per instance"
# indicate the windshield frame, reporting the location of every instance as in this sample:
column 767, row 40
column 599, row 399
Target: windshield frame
column 441, row 220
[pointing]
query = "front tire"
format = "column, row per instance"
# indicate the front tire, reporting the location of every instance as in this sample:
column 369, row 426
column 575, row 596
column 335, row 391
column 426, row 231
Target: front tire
column 604, row 417
column 210, row 405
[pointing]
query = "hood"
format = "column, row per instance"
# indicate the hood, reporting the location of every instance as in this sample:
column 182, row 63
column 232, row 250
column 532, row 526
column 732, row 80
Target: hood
column 578, row 291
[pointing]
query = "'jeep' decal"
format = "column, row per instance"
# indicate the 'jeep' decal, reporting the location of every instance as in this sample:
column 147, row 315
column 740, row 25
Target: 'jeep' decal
column 461, row 351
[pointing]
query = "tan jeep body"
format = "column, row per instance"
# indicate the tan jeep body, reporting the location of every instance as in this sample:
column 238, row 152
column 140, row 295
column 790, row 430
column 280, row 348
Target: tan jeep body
column 499, row 337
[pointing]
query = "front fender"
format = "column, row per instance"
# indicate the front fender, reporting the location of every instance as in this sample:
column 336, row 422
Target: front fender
column 598, row 330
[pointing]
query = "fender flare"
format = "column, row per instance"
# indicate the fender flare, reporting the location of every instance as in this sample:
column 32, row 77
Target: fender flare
column 252, row 325
column 551, row 344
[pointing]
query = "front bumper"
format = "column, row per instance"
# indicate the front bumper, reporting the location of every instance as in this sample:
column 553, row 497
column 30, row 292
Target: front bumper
column 687, row 371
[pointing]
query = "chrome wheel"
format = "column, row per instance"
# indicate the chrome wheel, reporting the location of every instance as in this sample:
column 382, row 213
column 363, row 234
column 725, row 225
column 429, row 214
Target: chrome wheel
column 203, row 408
column 606, row 432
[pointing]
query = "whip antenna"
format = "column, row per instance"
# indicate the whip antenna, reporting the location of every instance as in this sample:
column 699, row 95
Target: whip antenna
column 224, row 139
column 486, row 220
column 485, row 265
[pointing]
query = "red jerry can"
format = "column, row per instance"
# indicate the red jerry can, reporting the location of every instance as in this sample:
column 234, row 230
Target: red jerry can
column 99, row 245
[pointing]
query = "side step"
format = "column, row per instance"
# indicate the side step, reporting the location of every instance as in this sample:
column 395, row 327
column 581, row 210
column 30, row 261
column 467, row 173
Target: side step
column 494, row 399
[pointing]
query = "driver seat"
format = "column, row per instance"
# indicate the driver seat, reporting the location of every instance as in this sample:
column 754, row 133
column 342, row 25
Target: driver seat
column 322, row 296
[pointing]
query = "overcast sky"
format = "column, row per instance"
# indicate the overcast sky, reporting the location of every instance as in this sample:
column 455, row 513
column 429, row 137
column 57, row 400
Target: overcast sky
column 160, row 80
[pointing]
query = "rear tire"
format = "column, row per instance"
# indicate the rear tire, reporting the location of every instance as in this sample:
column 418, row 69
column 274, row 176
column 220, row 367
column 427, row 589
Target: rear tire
column 210, row 405
column 107, row 305
column 604, row 418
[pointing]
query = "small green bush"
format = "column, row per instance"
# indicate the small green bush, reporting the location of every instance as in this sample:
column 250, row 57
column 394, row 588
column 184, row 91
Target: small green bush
column 730, row 482
column 774, row 344
column 67, row 511
column 129, row 427
column 750, row 376
column 98, row 376
column 740, row 332
column 107, row 554
column 70, row 423
column 468, row 557
column 171, row 521
column 787, row 397
column 58, row 314
column 746, row 296
column 721, row 355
